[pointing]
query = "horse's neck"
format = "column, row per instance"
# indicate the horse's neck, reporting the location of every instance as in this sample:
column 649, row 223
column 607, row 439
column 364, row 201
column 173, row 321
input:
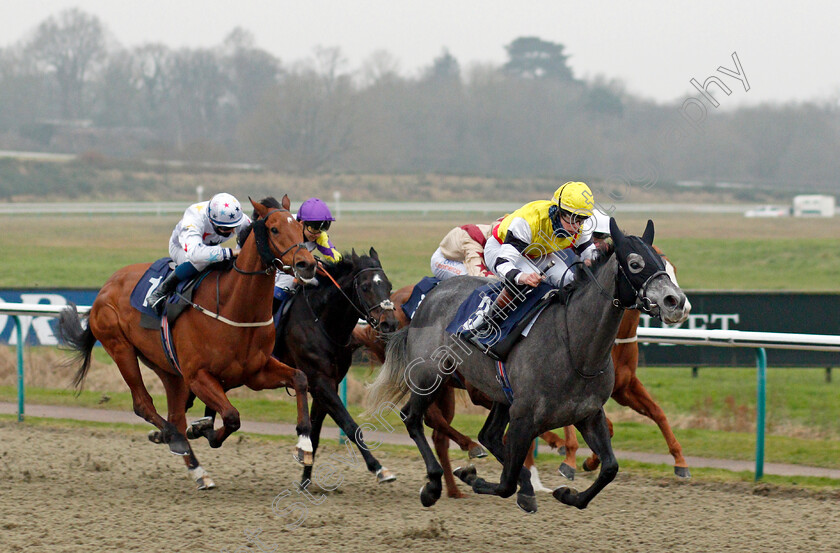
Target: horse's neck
column 592, row 320
column 338, row 314
column 248, row 297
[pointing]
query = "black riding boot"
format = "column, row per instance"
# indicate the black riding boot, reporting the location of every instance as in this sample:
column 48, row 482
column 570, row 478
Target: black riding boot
column 157, row 299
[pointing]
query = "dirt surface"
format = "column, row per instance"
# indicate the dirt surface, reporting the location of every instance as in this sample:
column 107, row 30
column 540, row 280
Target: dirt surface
column 76, row 489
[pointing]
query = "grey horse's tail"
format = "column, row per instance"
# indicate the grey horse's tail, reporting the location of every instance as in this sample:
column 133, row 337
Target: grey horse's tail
column 390, row 385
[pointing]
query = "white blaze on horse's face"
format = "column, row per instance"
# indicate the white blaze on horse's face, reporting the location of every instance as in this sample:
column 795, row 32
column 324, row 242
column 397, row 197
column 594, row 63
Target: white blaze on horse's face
column 673, row 274
column 377, row 279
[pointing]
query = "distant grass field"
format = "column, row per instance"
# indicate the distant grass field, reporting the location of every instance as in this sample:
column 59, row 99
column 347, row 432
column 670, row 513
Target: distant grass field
column 710, row 251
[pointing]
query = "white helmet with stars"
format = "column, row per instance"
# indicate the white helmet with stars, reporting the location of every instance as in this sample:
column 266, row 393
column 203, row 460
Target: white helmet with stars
column 224, row 210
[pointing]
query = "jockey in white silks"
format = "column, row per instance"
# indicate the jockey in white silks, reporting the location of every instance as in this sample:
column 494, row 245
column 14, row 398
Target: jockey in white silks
column 196, row 242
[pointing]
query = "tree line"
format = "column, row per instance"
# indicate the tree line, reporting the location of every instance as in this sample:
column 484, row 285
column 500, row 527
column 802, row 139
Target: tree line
column 70, row 86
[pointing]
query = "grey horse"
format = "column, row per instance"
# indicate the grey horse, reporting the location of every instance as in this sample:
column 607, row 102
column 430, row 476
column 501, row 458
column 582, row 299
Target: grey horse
column 560, row 375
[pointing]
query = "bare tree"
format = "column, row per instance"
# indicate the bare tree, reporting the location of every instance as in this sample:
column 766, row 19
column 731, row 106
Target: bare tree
column 69, row 45
column 306, row 123
column 380, row 67
column 250, row 71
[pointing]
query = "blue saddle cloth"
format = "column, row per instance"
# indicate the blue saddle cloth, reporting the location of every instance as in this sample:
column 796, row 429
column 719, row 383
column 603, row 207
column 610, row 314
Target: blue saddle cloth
column 417, row 294
column 492, row 334
column 150, row 280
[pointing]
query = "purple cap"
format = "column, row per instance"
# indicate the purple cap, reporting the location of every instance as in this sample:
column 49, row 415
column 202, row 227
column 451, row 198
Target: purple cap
column 314, row 209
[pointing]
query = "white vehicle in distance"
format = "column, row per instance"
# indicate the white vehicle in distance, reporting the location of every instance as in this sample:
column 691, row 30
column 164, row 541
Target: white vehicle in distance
column 768, row 211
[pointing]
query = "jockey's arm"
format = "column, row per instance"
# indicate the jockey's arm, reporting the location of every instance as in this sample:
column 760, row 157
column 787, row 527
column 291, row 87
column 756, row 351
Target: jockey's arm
column 517, row 240
column 586, row 248
column 325, row 247
column 197, row 252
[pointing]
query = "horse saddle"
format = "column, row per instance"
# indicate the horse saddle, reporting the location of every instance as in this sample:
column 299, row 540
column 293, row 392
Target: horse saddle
column 175, row 304
column 497, row 340
column 418, row 294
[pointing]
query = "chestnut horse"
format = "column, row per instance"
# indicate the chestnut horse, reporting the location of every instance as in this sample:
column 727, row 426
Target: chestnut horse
column 224, row 342
column 628, row 391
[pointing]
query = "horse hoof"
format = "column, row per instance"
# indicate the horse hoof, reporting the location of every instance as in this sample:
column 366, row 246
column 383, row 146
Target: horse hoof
column 178, row 445
column 428, row 498
column 527, row 503
column 467, row 474
column 205, row 483
column 682, row 472
column 384, row 475
column 477, row 452
column 566, row 471
column 199, row 427
column 305, row 458
column 565, row 495
column 155, row 437
column 587, row 466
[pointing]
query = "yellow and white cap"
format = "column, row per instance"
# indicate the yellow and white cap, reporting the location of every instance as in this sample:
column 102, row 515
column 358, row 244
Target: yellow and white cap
column 575, row 197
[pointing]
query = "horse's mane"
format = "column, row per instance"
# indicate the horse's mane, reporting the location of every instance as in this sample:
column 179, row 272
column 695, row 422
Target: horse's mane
column 269, row 202
column 582, row 276
column 320, row 294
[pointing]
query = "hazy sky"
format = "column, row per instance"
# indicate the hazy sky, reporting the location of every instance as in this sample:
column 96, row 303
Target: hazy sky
column 787, row 52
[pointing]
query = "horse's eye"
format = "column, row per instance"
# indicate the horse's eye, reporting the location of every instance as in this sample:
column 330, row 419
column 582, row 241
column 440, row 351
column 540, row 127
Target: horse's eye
column 366, row 287
column 274, row 231
column 635, row 263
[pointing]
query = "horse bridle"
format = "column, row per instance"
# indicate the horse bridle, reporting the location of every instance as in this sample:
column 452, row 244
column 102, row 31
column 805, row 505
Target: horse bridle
column 273, row 265
column 643, row 302
column 384, row 305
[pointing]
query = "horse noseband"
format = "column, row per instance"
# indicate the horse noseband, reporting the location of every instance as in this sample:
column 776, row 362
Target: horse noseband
column 643, row 302
column 384, row 305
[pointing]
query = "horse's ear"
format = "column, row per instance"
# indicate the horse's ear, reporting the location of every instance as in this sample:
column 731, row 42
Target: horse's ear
column 259, row 208
column 373, row 254
column 286, row 202
column 647, row 237
column 353, row 255
column 615, row 232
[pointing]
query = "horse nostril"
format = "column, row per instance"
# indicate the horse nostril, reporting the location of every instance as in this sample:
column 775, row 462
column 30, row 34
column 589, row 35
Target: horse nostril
column 301, row 265
column 671, row 302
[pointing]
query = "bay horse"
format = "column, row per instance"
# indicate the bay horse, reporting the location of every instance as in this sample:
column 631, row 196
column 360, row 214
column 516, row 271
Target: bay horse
column 560, row 375
column 315, row 333
column 229, row 348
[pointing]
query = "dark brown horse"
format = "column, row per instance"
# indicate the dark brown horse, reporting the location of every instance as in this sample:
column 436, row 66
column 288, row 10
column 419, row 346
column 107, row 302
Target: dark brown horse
column 226, row 344
column 314, row 336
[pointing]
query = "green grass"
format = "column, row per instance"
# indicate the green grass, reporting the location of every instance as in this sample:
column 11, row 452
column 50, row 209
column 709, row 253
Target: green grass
column 710, row 252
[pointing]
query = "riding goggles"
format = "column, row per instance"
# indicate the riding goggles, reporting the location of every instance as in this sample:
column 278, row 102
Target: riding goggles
column 317, row 226
column 574, row 219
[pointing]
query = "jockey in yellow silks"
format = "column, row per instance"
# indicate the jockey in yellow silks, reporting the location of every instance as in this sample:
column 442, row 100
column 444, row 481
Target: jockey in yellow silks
column 538, row 242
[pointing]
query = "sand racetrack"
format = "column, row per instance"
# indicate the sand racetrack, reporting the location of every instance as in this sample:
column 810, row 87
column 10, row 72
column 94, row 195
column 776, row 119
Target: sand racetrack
column 70, row 488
